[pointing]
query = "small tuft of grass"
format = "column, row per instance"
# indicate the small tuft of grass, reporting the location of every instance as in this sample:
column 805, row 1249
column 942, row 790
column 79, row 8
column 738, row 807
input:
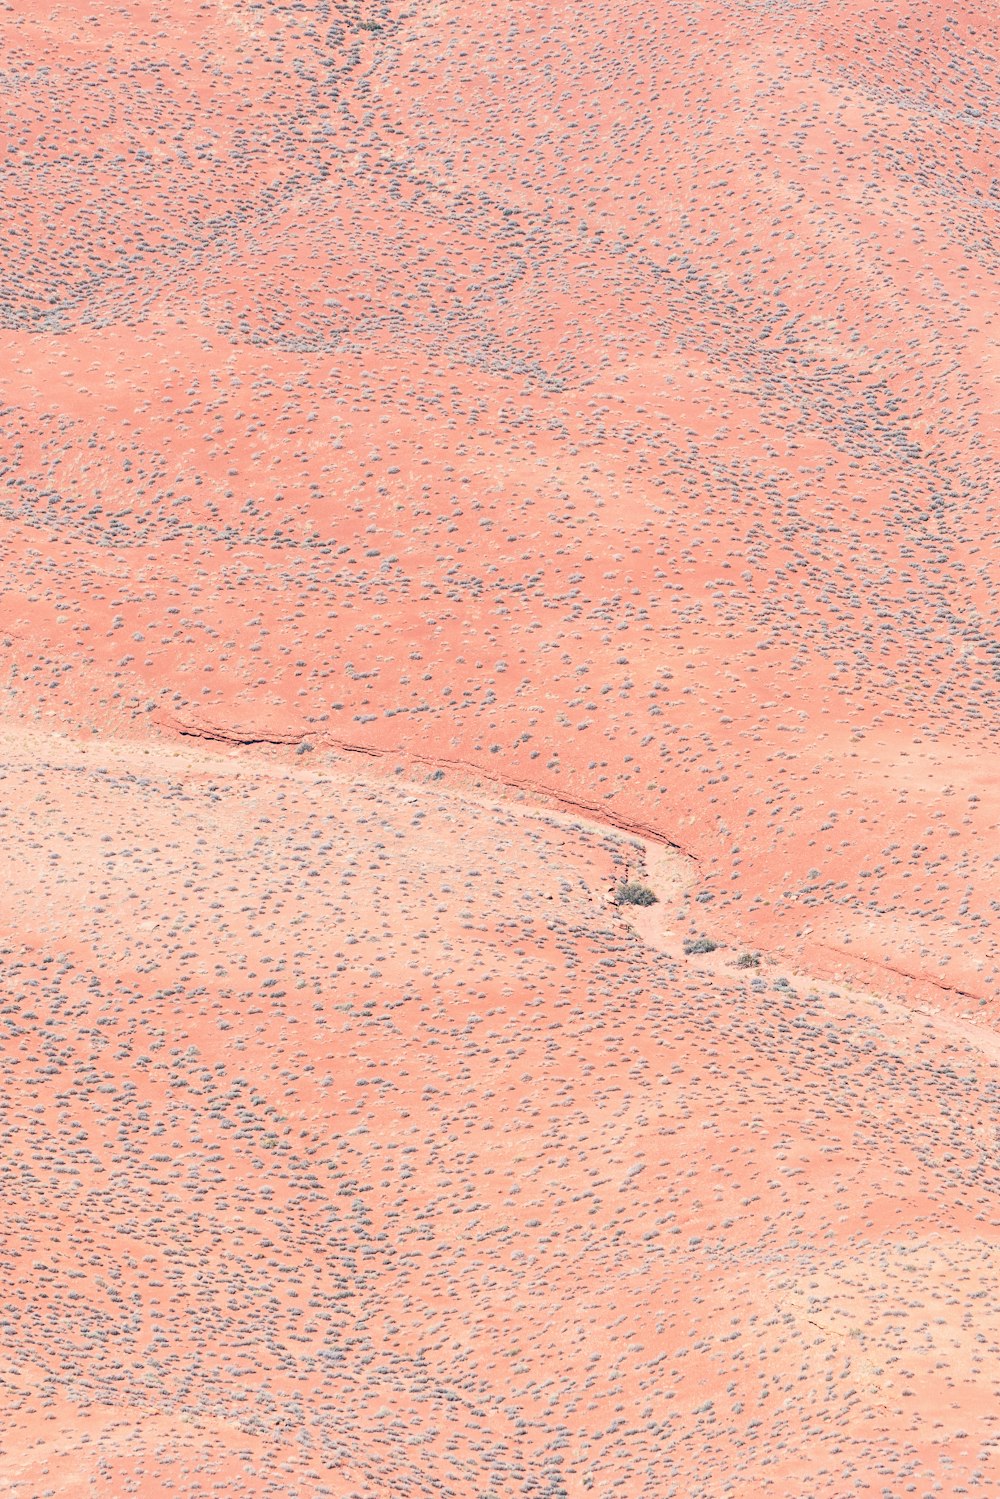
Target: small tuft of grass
column 748, row 960
column 632, row 893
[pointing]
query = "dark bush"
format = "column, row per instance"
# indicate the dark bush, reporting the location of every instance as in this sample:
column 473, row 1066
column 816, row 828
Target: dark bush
column 748, row 960
column 631, row 893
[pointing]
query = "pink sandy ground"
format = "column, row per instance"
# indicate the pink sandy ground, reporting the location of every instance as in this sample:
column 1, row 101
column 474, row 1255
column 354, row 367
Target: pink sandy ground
column 595, row 410
column 357, row 1144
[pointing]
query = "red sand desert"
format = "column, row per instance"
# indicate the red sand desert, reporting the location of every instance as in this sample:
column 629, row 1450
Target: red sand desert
column 453, row 459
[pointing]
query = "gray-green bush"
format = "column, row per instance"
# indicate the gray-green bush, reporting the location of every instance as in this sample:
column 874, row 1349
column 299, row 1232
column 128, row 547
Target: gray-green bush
column 632, row 893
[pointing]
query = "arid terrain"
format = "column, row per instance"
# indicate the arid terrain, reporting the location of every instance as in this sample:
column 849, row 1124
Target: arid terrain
column 454, row 459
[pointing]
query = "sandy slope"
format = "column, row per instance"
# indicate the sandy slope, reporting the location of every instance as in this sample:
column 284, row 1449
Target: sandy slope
column 447, row 455
column 605, row 398
column 356, row 1144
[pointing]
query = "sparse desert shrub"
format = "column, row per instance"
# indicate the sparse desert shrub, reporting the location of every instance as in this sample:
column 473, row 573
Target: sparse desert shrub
column 748, row 960
column 699, row 944
column 631, row 893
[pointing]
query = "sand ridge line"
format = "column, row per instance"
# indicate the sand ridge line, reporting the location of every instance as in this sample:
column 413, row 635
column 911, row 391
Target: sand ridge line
column 904, row 973
column 601, row 820
column 604, row 816
column 251, row 737
column 654, row 854
column 135, row 752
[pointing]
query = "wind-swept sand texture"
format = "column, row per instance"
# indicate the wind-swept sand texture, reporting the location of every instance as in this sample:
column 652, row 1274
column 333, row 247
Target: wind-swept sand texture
column 450, row 457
